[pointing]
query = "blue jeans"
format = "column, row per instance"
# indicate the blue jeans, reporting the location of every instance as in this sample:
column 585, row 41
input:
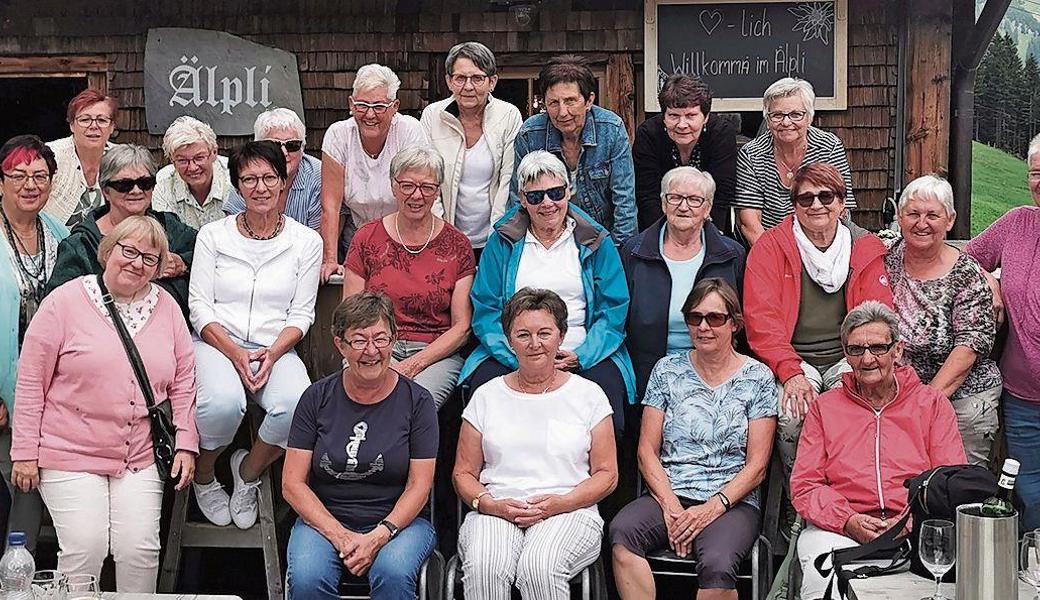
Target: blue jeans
column 1022, row 422
column 315, row 568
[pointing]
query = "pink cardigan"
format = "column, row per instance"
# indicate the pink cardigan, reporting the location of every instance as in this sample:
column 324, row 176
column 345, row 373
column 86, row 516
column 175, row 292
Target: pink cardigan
column 78, row 406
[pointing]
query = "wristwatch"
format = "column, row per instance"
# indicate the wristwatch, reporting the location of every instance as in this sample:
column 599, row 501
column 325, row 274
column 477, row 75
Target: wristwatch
column 389, row 527
column 476, row 501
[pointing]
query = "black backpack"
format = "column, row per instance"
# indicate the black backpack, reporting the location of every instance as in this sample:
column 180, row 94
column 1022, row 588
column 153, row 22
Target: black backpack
column 934, row 494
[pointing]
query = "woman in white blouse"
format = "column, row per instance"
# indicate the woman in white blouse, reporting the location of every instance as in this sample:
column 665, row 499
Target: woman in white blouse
column 474, row 134
column 252, row 294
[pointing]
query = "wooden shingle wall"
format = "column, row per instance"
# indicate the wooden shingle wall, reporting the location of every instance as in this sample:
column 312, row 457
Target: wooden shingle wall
column 332, row 38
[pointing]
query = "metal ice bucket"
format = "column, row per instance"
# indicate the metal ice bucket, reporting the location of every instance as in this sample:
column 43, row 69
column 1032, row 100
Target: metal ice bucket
column 987, row 555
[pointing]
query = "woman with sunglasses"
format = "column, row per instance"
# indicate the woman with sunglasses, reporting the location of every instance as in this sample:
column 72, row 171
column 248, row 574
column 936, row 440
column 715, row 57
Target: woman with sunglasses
column 766, row 165
column 426, row 267
column 546, row 242
column 709, row 415
column 355, row 161
column 802, row 278
column 666, row 260
column 253, row 288
column 82, row 433
column 127, row 179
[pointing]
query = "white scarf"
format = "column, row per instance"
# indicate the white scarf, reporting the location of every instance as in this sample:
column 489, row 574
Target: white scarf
column 828, row 268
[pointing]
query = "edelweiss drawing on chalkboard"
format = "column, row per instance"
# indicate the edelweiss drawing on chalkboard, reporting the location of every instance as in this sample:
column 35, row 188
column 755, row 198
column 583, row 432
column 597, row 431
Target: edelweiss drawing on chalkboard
column 816, row 19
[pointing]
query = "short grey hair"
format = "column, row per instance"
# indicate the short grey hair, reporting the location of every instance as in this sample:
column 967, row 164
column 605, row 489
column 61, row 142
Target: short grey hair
column 679, row 174
column 121, row 156
column 928, row 186
column 538, row 163
column 187, row 130
column 1034, row 148
column 870, row 311
column 278, row 118
column 481, row 55
column 790, row 86
column 418, row 157
column 370, row 77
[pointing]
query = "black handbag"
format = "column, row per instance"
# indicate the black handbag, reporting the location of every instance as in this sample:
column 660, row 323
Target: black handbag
column 164, row 434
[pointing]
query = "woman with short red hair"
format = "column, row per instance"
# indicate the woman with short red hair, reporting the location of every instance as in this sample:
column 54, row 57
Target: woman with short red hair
column 75, row 189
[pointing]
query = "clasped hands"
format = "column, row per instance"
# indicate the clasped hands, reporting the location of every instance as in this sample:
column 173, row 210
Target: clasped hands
column 524, row 513
column 358, row 550
column 684, row 525
column 242, row 359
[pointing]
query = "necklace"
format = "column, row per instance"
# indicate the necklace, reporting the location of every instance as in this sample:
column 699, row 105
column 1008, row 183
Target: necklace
column 526, row 390
column 35, row 275
column 786, row 168
column 551, row 240
column 433, row 225
column 254, row 235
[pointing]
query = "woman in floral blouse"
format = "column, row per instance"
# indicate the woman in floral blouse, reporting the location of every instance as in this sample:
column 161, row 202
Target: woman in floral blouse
column 945, row 312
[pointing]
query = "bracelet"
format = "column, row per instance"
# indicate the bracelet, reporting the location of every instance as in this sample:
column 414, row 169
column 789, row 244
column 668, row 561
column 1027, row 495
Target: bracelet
column 476, row 501
column 723, row 499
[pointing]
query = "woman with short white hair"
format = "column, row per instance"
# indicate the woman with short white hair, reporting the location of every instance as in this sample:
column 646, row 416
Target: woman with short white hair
column 945, row 312
column 355, row 160
column 767, row 164
column 300, row 199
column 196, row 183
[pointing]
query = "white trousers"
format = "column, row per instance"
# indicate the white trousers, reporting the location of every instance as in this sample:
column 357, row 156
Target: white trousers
column 95, row 513
column 541, row 560
column 813, row 542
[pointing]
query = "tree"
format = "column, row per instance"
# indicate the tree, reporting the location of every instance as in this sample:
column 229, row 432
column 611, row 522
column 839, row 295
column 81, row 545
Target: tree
column 1031, row 97
column 1002, row 106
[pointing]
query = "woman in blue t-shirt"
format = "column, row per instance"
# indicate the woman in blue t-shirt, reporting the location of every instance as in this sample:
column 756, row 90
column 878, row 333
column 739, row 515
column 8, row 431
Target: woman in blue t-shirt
column 359, row 466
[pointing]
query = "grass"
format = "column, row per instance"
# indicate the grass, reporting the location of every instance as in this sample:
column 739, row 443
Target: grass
column 998, row 184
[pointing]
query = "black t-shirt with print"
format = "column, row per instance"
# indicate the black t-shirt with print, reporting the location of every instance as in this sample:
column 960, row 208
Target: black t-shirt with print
column 359, row 464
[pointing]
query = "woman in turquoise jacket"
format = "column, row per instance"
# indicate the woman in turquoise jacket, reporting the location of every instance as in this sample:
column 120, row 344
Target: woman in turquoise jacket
column 28, row 248
column 546, row 242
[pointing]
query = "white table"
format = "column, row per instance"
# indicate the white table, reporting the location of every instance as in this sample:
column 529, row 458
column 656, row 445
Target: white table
column 907, row 586
column 118, row 596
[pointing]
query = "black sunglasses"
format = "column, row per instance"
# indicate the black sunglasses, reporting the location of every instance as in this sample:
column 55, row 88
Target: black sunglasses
column 805, row 199
column 123, row 186
column 555, row 194
column 714, row 319
column 289, row 145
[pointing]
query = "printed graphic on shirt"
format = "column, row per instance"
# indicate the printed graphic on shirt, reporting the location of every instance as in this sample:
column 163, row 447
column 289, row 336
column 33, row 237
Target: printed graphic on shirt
column 351, row 468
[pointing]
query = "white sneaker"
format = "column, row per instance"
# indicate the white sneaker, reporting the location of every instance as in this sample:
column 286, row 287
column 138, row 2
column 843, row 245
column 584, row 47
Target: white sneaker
column 244, row 503
column 213, row 501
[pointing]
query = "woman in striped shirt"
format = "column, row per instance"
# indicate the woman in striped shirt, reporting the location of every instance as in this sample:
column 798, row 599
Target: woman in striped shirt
column 766, row 165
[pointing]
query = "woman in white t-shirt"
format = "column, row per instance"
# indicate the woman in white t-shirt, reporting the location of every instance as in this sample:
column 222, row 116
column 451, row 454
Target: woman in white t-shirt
column 355, row 160
column 536, row 453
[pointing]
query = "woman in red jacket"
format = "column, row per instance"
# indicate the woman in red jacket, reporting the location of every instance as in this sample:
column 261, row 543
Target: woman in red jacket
column 803, row 276
column 863, row 439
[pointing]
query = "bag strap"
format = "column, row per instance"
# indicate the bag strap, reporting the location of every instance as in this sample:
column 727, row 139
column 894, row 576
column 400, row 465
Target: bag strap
column 128, row 345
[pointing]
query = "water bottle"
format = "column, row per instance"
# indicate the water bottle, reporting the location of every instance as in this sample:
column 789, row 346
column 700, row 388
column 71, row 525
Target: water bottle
column 16, row 569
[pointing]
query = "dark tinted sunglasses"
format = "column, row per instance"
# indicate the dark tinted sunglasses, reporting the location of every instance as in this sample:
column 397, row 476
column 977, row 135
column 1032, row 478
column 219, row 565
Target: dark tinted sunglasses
column 555, row 194
column 123, row 186
column 714, row 319
column 805, row 199
column 289, row 145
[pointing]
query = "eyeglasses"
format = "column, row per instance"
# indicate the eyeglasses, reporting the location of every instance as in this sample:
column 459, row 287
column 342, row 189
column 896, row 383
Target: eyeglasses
column 288, row 145
column 426, row 189
column 85, row 121
column 476, row 80
column 379, row 109
column 875, row 349
column 199, row 159
column 20, row 179
column 806, row 199
column 795, row 116
column 535, row 197
column 360, row 343
column 131, row 253
column 678, row 199
column 251, row 181
column 714, row 319
column 124, row 186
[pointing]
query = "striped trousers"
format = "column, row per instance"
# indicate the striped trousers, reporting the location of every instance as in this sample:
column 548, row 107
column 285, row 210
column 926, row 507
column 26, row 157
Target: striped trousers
column 540, row 560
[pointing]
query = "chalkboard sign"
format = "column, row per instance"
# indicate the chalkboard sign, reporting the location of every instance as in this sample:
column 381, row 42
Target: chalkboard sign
column 740, row 48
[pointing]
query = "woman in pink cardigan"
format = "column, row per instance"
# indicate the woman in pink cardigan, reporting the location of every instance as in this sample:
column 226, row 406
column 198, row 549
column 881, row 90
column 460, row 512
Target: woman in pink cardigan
column 81, row 430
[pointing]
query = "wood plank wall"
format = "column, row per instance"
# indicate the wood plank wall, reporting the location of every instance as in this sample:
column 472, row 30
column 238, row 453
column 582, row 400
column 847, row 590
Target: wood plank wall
column 332, row 38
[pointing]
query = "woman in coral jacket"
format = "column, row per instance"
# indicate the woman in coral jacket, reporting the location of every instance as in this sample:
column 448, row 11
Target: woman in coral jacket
column 803, row 276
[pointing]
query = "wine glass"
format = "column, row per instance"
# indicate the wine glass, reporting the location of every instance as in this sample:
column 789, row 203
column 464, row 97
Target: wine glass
column 938, row 551
column 83, row 586
column 50, row 585
column 1029, row 561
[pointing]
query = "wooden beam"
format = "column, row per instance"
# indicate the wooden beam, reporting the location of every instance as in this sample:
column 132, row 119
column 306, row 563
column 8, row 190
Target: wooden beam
column 50, row 65
column 928, row 72
column 620, row 90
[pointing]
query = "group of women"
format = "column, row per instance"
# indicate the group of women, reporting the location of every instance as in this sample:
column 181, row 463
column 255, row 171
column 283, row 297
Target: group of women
column 523, row 234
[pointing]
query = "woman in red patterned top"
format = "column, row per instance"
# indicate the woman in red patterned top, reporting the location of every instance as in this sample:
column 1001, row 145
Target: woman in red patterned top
column 426, row 266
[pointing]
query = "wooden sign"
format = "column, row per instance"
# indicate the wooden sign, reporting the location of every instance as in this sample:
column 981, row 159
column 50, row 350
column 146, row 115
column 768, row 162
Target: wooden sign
column 740, row 48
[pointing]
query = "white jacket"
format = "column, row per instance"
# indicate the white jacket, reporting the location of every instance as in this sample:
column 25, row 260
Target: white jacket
column 254, row 293
column 501, row 123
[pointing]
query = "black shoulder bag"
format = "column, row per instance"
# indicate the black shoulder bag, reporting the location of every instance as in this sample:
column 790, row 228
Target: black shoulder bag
column 161, row 416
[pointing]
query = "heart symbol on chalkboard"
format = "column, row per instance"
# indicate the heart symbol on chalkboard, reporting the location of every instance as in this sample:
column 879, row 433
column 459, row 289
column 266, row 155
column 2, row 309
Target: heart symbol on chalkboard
column 710, row 20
